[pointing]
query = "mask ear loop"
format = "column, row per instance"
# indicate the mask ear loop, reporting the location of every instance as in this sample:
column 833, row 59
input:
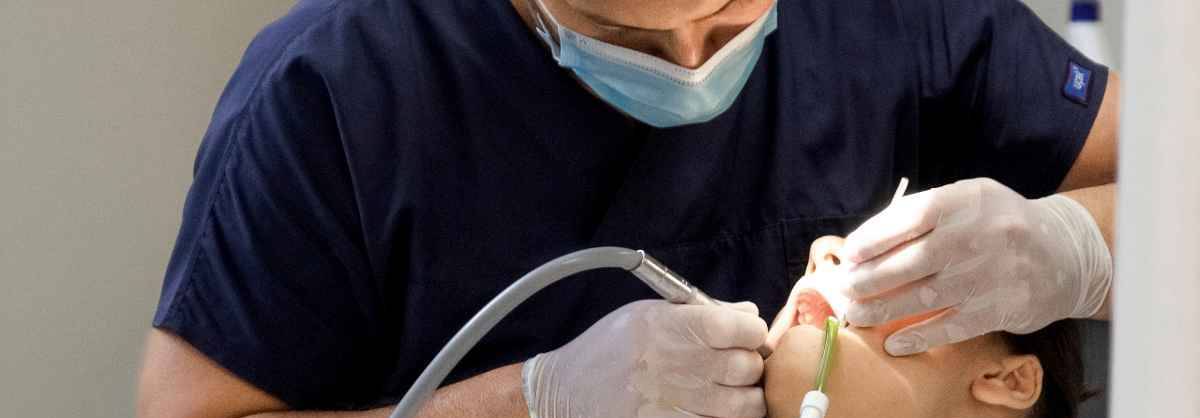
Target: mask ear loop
column 542, row 29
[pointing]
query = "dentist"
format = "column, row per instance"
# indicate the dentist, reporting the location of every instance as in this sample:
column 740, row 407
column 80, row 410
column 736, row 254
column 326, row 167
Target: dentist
column 377, row 170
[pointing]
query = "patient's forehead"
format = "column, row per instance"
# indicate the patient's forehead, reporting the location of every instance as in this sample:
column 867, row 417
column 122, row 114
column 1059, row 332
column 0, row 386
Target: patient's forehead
column 653, row 14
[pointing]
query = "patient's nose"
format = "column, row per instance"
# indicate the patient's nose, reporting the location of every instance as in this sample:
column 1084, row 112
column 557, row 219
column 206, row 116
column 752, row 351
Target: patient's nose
column 822, row 255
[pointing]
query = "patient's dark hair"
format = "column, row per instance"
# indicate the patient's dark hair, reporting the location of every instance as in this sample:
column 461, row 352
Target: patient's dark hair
column 1058, row 348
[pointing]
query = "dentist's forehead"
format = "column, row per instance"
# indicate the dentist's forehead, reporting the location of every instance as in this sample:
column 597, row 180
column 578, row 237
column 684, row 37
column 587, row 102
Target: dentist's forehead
column 650, row 14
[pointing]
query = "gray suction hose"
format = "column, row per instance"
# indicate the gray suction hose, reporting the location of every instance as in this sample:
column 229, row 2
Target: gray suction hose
column 658, row 277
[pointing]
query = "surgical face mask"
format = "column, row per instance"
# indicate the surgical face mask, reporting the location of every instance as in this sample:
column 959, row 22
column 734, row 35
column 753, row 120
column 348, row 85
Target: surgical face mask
column 650, row 89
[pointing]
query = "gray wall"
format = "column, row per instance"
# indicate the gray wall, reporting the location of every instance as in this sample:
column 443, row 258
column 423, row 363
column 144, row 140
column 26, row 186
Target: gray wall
column 103, row 106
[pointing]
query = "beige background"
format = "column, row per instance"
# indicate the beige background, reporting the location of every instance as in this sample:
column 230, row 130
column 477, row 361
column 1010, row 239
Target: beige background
column 103, row 107
column 1056, row 13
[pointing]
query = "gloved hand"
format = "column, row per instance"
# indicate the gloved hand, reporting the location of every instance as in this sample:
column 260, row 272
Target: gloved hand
column 652, row 359
column 997, row 261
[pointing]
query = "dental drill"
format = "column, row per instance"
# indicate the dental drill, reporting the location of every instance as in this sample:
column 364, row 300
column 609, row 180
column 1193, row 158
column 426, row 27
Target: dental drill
column 666, row 283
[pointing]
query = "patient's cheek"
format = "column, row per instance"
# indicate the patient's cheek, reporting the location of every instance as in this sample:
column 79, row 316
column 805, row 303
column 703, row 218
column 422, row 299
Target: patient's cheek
column 782, row 400
column 790, row 372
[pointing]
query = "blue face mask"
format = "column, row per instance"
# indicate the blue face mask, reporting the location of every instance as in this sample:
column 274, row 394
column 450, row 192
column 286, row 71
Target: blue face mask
column 653, row 90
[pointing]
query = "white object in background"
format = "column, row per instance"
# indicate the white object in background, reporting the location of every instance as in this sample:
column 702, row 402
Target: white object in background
column 1085, row 33
column 1156, row 327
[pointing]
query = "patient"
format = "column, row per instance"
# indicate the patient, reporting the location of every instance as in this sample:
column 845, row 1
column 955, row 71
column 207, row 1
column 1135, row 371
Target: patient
column 994, row 375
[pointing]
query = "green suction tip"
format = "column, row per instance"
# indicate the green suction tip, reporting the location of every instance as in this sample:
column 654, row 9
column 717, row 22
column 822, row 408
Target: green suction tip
column 831, row 331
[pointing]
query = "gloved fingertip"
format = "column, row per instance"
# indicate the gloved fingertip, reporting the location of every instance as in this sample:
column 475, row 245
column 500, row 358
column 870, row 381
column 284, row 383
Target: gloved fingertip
column 853, row 289
column 745, row 306
column 901, row 345
column 850, row 255
column 859, row 284
column 860, row 315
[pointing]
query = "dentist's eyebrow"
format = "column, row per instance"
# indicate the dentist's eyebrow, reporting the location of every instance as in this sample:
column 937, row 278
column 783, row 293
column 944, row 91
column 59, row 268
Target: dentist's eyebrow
column 604, row 21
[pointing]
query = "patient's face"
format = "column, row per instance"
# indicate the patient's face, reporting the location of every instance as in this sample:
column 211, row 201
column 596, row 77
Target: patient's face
column 867, row 382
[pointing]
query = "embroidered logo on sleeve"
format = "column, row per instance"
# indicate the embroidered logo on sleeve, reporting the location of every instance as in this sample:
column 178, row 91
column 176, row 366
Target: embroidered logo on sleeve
column 1079, row 79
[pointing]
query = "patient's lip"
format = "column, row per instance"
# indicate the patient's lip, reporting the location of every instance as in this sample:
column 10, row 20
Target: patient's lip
column 826, row 288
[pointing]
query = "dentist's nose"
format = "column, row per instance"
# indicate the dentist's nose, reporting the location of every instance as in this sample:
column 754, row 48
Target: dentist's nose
column 687, row 47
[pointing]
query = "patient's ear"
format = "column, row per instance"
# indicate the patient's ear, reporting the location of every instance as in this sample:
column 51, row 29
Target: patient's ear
column 1015, row 381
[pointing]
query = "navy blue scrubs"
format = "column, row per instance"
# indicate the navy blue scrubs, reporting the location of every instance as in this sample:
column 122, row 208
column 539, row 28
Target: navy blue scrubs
column 376, row 171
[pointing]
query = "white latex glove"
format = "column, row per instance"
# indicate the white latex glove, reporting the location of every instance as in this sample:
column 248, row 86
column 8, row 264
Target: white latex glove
column 998, row 261
column 652, row 359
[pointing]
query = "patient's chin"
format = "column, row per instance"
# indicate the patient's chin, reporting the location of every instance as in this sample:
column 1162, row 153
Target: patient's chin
column 863, row 382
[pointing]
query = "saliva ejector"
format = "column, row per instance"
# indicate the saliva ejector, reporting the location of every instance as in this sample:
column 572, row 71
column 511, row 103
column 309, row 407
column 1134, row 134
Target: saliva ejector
column 816, row 403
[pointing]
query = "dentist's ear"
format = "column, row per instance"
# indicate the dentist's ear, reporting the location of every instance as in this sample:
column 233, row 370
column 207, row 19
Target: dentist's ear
column 1013, row 382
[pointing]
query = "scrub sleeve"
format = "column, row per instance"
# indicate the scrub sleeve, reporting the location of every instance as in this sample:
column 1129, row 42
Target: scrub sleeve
column 999, row 92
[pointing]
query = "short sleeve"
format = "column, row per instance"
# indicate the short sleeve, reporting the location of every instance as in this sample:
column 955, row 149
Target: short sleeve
column 268, row 276
column 1002, row 95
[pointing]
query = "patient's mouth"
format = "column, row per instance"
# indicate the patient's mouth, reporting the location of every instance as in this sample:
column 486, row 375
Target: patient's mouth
column 812, row 308
column 821, row 298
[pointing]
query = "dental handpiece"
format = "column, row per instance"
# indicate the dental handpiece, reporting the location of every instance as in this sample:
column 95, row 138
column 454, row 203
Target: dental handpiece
column 671, row 286
column 674, row 288
column 666, row 283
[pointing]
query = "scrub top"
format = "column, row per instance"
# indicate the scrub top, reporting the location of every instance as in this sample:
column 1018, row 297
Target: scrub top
column 376, row 171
